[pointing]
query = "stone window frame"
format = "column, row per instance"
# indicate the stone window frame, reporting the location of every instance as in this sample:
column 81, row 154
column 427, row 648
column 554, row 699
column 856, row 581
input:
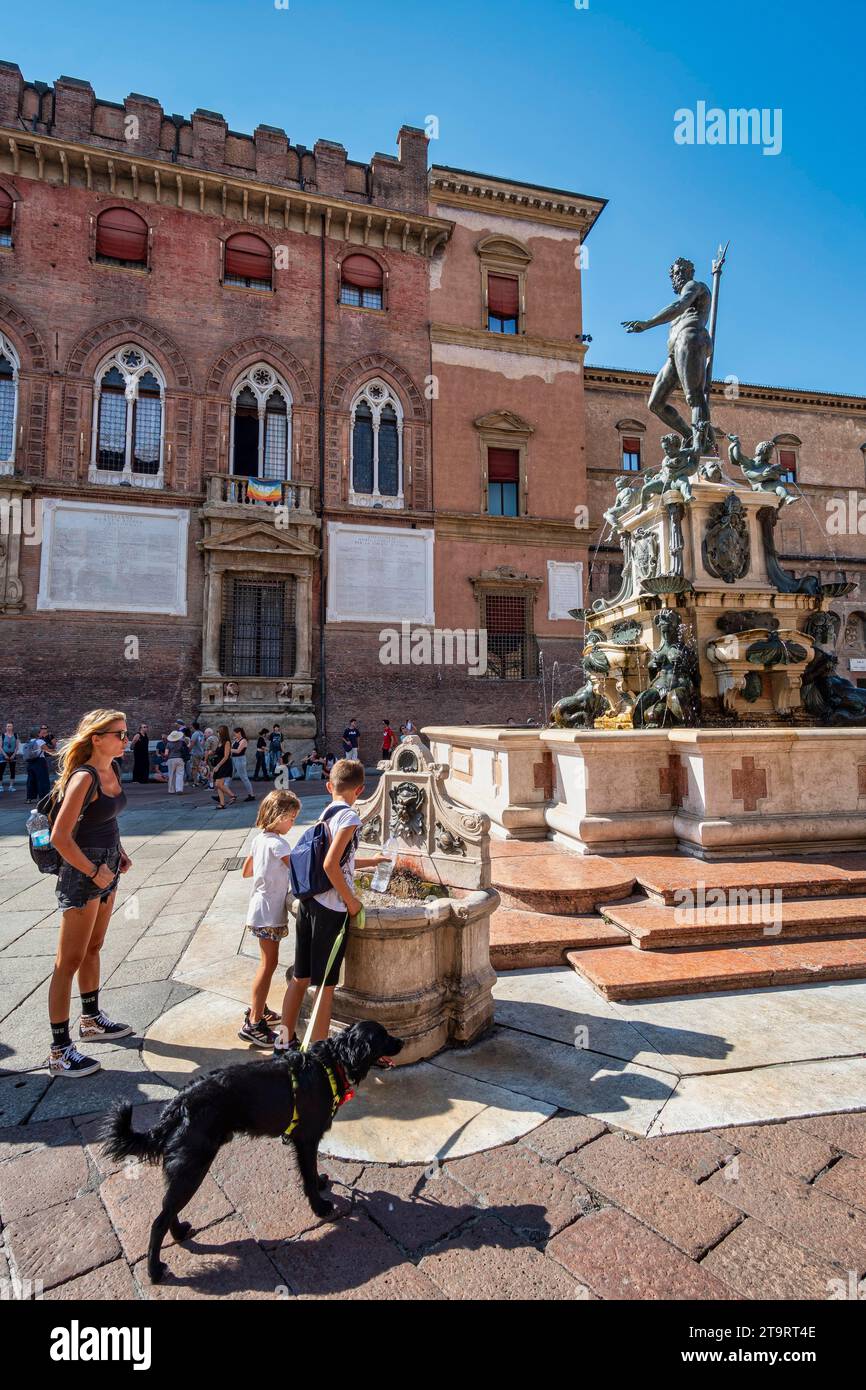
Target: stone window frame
column 503, row 429
column 132, row 376
column 501, row 255
column 790, row 443
column 512, row 583
column 376, row 499
column 7, row 350
column 262, row 392
column 625, row 429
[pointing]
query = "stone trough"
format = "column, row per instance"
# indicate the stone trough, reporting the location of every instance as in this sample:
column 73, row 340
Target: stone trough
column 422, row 968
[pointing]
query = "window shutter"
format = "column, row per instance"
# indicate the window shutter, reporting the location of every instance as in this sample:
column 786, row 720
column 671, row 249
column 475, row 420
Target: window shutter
column 631, row 446
column 502, row 296
column 788, row 460
column 6, row 206
column 248, row 257
column 361, row 272
column 503, row 465
column 121, row 235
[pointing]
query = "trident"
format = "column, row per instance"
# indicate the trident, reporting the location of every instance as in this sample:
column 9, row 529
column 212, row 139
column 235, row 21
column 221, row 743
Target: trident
column 714, row 313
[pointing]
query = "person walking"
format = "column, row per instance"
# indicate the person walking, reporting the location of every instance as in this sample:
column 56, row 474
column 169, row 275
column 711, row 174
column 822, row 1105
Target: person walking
column 36, row 764
column 351, row 735
column 86, row 835
column 275, row 748
column 261, row 770
column 223, row 768
column 141, row 755
column 239, row 761
column 196, row 754
column 389, row 739
column 178, row 753
column 9, row 750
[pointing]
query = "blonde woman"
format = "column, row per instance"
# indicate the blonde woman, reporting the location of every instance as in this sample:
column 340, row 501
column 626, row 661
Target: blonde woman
column 267, row 864
column 87, row 838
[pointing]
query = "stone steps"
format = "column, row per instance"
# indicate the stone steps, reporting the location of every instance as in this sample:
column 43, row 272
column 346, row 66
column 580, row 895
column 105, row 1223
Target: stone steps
column 520, row 939
column 625, row 972
column 652, row 926
column 668, row 878
column 557, row 883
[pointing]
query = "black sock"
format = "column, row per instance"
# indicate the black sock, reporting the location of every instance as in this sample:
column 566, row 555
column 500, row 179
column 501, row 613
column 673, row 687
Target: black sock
column 60, row 1034
column 90, row 1004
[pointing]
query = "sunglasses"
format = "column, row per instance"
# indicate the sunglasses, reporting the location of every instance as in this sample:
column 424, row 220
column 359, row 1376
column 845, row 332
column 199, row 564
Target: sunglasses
column 115, row 733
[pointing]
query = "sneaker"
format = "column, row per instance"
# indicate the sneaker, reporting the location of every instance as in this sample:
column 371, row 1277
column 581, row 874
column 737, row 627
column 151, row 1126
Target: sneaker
column 257, row 1034
column 269, row 1016
column 280, row 1048
column 68, row 1061
column 99, row 1028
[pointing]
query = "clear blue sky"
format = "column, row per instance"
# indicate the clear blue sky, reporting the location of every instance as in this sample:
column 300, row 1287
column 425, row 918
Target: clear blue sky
column 577, row 99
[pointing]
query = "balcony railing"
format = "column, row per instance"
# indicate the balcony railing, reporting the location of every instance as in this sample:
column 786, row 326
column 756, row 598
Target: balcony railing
column 259, row 492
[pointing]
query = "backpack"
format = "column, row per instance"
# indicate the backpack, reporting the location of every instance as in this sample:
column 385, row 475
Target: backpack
column 31, row 750
column 47, row 859
column 307, row 859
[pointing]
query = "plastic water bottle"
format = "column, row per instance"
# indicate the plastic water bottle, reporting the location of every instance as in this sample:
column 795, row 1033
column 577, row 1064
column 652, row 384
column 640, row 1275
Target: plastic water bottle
column 382, row 873
column 39, row 830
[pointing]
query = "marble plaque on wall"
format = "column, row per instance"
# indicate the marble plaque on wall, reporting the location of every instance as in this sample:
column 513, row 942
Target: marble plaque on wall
column 107, row 558
column 564, row 587
column 379, row 573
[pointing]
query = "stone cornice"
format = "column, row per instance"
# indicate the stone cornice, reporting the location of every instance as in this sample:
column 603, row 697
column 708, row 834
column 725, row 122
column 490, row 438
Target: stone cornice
column 519, row 530
column 481, row 192
column 638, row 383
column 555, row 348
column 241, row 198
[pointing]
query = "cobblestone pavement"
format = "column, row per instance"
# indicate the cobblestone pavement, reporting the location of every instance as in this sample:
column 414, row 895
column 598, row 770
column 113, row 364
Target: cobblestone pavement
column 573, row 1210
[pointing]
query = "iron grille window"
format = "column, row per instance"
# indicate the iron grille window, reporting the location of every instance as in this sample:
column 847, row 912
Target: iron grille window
column 112, row 422
column 360, row 298
column 147, row 426
column 5, row 236
column 258, row 630
column 512, row 651
column 7, row 408
column 362, row 449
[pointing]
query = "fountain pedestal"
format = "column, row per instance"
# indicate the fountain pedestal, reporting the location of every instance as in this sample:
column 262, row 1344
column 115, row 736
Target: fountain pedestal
column 422, row 968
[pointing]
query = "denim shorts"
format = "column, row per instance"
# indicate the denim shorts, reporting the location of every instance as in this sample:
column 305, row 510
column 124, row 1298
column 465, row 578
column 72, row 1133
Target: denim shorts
column 76, row 889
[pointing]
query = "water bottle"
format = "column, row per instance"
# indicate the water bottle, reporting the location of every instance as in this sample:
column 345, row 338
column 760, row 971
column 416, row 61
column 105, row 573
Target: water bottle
column 382, row 873
column 39, row 830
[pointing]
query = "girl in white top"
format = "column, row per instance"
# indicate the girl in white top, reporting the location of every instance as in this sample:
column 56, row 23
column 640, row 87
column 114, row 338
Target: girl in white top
column 268, row 912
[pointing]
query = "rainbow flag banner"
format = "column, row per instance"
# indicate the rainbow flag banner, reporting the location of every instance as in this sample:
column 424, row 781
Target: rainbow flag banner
column 265, row 489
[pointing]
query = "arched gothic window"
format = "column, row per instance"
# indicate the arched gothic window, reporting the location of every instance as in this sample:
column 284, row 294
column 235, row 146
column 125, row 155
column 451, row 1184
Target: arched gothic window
column 128, row 420
column 8, row 404
column 376, row 476
column 261, row 425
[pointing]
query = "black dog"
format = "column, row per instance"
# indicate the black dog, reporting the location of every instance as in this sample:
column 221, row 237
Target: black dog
column 250, row 1098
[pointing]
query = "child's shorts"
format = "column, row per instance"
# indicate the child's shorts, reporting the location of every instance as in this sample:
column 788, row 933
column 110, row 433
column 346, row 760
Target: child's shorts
column 317, row 928
column 269, row 933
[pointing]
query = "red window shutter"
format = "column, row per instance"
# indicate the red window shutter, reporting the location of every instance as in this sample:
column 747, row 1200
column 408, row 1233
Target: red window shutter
column 631, row 446
column 248, row 257
column 5, row 210
column 503, row 296
column 788, row 459
column 361, row 272
column 122, row 235
column 503, row 465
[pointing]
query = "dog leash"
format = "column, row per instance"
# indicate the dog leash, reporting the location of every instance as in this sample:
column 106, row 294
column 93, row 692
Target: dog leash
column 359, row 921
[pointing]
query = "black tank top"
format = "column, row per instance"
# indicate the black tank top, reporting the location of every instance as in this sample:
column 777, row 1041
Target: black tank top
column 98, row 828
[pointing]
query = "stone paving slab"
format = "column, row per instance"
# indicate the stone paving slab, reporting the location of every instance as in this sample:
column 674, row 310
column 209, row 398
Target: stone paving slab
column 489, row 1260
column 60, row 1243
column 758, row 1264
column 350, row 1259
column 617, row 1257
column 770, row 1093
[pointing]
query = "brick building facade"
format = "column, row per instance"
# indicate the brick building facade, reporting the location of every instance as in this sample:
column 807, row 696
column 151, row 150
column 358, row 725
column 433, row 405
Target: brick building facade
column 259, row 403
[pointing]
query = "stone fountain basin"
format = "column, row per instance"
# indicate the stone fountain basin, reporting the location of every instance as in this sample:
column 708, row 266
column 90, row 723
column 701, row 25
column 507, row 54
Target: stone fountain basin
column 423, row 971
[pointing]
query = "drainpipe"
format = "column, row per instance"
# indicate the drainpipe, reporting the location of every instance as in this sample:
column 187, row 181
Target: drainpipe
column 322, row 607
